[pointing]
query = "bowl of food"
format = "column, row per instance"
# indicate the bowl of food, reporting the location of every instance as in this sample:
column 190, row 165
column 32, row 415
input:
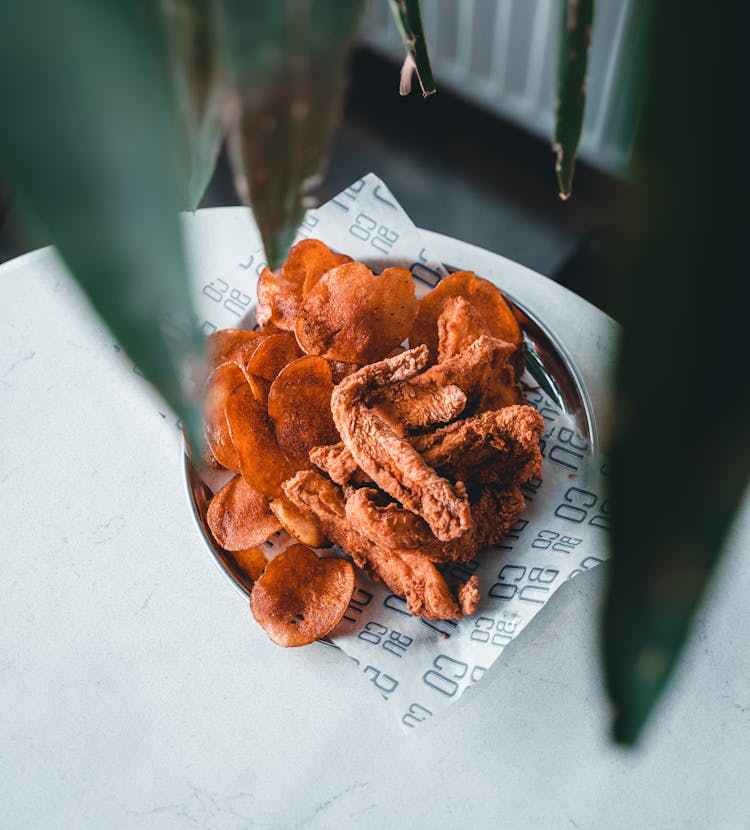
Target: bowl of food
column 359, row 430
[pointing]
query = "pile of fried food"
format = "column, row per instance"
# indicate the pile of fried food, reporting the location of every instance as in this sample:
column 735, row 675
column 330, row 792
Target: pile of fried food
column 404, row 457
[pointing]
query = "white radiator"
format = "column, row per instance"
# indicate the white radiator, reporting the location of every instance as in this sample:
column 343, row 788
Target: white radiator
column 502, row 55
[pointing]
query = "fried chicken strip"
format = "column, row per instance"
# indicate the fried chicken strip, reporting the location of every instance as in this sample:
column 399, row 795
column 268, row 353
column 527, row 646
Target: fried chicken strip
column 396, row 530
column 406, row 574
column 420, row 406
column 500, row 446
column 482, row 371
column 335, row 461
column 387, row 458
column 458, row 325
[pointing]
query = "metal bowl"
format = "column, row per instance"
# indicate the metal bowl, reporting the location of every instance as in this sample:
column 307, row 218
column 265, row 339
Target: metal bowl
column 546, row 362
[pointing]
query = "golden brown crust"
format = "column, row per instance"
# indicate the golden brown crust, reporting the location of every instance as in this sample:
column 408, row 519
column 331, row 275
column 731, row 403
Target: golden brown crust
column 487, row 300
column 468, row 596
column 387, row 458
column 458, row 326
column 500, row 446
column 407, row 574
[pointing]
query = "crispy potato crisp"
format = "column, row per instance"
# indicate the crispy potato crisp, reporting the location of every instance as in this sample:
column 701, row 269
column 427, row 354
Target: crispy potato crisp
column 221, row 383
column 262, row 463
column 301, row 524
column 353, row 316
column 299, row 598
column 300, row 405
column 240, row 517
column 279, row 295
column 225, row 345
column 272, row 355
column 250, row 562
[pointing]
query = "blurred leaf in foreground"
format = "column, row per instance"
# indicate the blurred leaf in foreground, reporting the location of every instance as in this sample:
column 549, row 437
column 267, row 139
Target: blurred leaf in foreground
column 408, row 17
column 577, row 19
column 682, row 454
column 88, row 144
column 192, row 39
column 287, row 62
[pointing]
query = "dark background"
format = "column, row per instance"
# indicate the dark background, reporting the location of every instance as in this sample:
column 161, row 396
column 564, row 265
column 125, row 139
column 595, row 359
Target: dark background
column 458, row 170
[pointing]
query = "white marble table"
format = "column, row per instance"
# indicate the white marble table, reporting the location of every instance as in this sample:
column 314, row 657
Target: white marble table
column 137, row 692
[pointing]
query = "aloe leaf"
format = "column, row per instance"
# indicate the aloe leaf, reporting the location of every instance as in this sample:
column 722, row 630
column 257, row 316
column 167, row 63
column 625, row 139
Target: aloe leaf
column 408, row 17
column 191, row 30
column 286, row 63
column 681, row 461
column 88, row 145
column 577, row 18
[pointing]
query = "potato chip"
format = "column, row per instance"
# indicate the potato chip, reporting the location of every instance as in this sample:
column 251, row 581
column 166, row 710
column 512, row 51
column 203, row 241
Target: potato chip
column 240, row 517
column 272, row 355
column 299, row 598
column 221, row 383
column 353, row 316
column 280, row 294
column 486, row 299
column 262, row 463
column 302, row 525
column 299, row 403
column 250, row 563
column 315, row 259
column 225, row 345
column 277, row 301
column 261, row 388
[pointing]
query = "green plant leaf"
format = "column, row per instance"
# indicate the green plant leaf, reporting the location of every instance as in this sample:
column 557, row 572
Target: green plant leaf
column 577, row 18
column 287, row 64
column 681, row 460
column 88, row 144
column 408, row 17
column 191, row 28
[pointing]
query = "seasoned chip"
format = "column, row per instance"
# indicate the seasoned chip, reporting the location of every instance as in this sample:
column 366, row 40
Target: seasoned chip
column 250, row 562
column 350, row 315
column 272, row 355
column 299, row 597
column 486, row 299
column 299, row 403
column 221, row 383
column 230, row 345
column 240, row 517
column 302, row 525
column 280, row 294
column 261, row 388
column 262, row 463
column 277, row 301
column 310, row 259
